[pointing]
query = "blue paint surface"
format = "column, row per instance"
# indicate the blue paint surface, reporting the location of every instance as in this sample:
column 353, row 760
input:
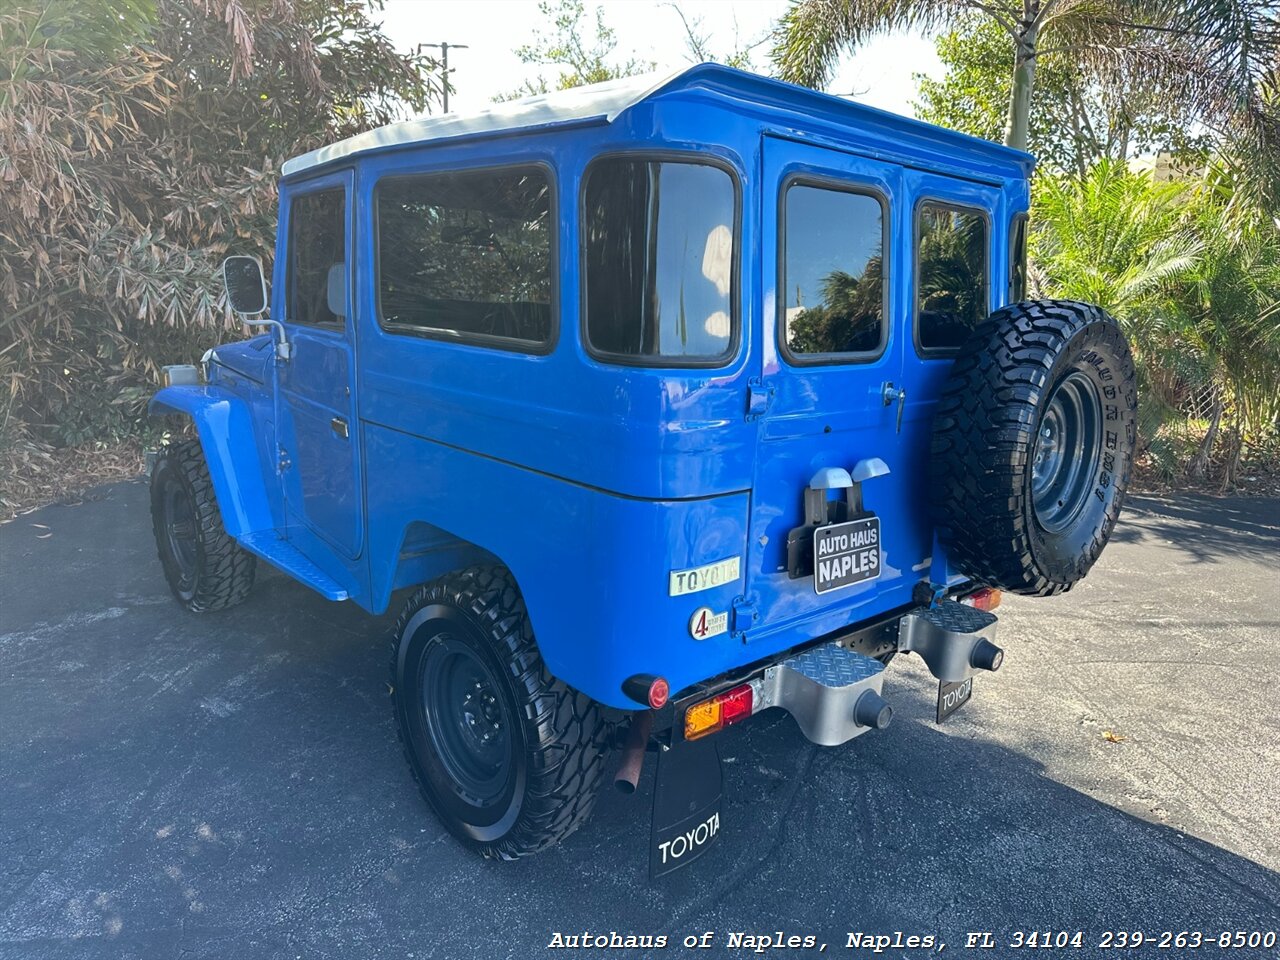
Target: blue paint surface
column 593, row 480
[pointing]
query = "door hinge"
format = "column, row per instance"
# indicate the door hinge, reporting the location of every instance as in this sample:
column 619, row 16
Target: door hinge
column 284, row 463
column 759, row 397
column 745, row 615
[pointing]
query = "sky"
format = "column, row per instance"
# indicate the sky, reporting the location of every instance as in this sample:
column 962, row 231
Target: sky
column 879, row 74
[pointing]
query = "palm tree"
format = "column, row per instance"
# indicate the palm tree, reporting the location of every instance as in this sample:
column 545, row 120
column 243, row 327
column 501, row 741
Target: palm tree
column 1123, row 241
column 1194, row 280
column 1217, row 60
column 1231, row 306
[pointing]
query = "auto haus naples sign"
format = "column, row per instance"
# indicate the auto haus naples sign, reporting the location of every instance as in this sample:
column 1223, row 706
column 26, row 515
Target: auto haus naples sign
column 845, row 554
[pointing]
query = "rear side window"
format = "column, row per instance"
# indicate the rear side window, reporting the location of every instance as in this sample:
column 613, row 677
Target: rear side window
column 317, row 248
column 952, row 266
column 1018, row 258
column 467, row 255
column 833, row 289
column 659, row 261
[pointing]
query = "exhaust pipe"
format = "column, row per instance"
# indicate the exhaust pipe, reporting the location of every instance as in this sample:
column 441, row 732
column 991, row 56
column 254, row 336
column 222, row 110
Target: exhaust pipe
column 628, row 776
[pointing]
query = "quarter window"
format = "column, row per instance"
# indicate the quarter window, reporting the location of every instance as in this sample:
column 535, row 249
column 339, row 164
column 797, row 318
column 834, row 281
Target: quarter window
column 1018, row 258
column 659, row 260
column 833, row 277
column 952, row 267
column 467, row 255
column 317, row 249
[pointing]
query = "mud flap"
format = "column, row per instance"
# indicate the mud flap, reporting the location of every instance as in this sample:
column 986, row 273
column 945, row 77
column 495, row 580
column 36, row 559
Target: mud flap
column 686, row 805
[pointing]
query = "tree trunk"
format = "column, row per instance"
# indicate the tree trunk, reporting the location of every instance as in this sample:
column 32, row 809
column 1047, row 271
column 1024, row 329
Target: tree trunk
column 1200, row 465
column 1024, row 74
column 1231, row 474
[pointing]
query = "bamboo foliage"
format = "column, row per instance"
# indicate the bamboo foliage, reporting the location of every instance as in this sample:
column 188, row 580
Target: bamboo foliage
column 140, row 143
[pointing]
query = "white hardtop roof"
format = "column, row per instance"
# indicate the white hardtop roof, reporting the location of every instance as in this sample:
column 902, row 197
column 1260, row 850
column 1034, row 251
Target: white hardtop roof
column 598, row 101
column 604, row 102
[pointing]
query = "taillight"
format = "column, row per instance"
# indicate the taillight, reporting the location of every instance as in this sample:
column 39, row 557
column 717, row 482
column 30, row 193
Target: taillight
column 988, row 598
column 722, row 710
column 736, row 704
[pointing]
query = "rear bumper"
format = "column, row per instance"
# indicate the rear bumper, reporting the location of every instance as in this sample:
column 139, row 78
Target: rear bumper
column 834, row 688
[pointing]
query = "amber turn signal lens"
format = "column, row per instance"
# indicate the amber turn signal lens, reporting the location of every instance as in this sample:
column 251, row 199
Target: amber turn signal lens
column 720, row 711
column 702, row 719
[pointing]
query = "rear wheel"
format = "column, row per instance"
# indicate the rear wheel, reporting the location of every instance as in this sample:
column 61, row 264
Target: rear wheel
column 1033, row 445
column 509, row 758
column 206, row 569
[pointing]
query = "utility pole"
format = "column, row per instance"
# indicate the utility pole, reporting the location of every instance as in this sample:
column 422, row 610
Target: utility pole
column 444, row 49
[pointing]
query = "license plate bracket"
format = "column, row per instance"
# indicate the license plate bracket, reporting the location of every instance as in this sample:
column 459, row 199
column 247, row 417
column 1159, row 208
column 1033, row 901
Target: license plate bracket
column 845, row 554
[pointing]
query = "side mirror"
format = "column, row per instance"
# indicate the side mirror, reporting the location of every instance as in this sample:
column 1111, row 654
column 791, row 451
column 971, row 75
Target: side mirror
column 246, row 287
column 247, row 294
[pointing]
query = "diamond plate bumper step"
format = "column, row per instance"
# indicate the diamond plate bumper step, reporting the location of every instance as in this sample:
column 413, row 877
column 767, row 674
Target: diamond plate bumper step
column 833, row 693
column 954, row 640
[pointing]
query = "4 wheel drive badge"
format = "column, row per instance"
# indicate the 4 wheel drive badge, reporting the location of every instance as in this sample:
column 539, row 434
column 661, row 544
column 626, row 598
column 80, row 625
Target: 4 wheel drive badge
column 705, row 622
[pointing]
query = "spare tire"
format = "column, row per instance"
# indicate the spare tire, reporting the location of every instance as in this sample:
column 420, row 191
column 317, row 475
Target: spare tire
column 1032, row 447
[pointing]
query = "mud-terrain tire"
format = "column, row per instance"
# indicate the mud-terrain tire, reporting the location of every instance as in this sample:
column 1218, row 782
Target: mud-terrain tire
column 1032, row 448
column 509, row 758
column 206, row 569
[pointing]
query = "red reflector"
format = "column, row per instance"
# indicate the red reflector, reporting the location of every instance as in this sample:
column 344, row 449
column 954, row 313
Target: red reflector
column 735, row 704
column 659, row 690
column 988, row 598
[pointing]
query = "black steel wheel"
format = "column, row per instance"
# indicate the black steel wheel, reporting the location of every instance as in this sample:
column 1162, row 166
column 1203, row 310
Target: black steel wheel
column 1067, row 449
column 1033, row 440
column 509, row 758
column 206, row 569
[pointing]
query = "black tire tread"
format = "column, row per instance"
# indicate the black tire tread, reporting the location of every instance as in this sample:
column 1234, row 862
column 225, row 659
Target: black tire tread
column 983, row 427
column 568, row 733
column 226, row 570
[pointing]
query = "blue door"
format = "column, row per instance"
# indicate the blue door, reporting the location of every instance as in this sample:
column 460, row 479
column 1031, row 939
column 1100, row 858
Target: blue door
column 849, row 391
column 319, row 442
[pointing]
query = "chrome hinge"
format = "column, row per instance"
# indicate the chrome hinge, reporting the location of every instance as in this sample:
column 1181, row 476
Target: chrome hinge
column 759, row 397
column 745, row 615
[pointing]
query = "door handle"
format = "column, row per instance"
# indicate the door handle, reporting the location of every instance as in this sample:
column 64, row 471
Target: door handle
column 890, row 393
column 339, row 426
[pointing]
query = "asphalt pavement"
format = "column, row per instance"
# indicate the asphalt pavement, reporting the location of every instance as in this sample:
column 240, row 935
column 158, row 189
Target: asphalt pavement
column 229, row 785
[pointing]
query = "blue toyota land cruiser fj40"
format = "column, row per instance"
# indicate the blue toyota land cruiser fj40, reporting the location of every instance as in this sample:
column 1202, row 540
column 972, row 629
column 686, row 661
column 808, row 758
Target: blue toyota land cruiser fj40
column 671, row 400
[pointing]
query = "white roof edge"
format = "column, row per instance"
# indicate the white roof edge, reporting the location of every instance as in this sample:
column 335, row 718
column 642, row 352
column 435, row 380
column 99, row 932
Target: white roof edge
column 602, row 101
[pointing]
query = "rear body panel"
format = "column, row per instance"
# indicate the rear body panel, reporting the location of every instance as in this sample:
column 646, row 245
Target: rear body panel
column 594, row 481
column 835, row 414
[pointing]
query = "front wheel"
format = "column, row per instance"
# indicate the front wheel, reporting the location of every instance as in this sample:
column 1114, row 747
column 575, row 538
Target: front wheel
column 509, row 758
column 205, row 567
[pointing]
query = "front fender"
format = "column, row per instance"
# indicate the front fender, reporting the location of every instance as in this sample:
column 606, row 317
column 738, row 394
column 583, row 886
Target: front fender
column 225, row 427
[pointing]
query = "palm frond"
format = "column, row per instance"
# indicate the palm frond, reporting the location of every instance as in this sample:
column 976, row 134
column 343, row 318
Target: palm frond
column 813, row 33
